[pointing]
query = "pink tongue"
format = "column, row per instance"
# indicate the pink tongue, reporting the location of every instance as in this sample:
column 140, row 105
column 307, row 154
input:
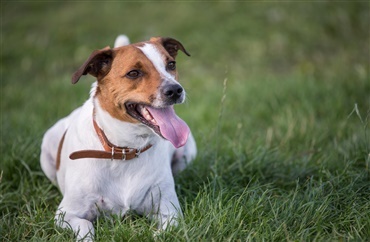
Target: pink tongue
column 170, row 125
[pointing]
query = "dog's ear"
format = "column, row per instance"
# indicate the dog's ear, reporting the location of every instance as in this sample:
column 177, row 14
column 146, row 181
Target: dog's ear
column 97, row 65
column 171, row 45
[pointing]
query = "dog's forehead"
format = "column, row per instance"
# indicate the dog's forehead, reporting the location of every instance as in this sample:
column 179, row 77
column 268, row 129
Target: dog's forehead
column 150, row 48
column 159, row 57
column 156, row 56
column 146, row 52
column 151, row 51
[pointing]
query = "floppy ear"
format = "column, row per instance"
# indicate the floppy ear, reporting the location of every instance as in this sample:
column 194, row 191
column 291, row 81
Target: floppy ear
column 97, row 65
column 171, row 45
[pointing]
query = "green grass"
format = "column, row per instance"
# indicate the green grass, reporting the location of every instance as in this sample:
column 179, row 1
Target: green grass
column 278, row 101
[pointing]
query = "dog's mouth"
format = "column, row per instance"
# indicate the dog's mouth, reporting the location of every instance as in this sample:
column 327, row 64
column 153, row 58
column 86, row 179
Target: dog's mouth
column 162, row 121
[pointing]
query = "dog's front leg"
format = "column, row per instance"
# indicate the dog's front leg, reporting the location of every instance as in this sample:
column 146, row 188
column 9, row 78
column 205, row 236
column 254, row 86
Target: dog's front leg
column 183, row 156
column 165, row 208
column 83, row 228
column 166, row 220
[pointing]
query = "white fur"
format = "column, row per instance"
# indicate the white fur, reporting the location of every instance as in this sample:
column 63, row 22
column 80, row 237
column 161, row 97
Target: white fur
column 121, row 40
column 158, row 61
column 92, row 186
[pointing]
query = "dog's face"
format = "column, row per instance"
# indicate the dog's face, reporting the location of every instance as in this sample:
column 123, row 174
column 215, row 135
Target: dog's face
column 138, row 84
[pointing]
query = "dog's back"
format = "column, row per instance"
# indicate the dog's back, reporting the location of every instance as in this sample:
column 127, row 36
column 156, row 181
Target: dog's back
column 50, row 145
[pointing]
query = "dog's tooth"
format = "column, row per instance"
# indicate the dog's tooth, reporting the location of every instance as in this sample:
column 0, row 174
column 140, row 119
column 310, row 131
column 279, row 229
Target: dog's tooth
column 145, row 113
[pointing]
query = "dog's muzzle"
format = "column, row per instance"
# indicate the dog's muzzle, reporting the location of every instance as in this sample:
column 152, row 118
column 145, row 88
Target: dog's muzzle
column 172, row 93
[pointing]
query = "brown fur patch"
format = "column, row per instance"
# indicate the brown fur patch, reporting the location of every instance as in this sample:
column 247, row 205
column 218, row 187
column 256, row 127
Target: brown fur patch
column 59, row 153
column 115, row 89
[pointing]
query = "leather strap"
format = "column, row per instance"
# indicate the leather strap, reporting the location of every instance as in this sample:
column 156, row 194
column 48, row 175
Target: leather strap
column 125, row 154
column 110, row 151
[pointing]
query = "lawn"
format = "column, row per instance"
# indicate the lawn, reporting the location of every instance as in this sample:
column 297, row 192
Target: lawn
column 278, row 99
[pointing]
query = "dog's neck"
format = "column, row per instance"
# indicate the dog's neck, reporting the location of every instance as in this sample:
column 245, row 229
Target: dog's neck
column 121, row 133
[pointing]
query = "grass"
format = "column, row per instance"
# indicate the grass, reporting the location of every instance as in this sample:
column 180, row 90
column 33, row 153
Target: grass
column 278, row 101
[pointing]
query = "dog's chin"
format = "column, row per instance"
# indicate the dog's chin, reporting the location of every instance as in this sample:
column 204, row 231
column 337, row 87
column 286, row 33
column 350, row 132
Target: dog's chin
column 139, row 112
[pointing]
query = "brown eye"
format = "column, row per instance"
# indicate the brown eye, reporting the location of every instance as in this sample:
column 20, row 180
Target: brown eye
column 133, row 74
column 171, row 65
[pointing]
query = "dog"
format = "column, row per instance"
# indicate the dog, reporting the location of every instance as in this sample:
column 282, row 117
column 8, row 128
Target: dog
column 120, row 149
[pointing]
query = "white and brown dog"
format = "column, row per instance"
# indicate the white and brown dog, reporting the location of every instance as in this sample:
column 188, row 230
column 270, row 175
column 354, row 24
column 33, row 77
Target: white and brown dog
column 119, row 151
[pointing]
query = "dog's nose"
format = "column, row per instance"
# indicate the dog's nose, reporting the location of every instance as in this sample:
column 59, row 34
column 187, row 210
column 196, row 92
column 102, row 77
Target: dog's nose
column 172, row 92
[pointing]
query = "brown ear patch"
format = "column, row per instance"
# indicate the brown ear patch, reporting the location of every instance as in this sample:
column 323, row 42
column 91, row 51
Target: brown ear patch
column 97, row 65
column 171, row 45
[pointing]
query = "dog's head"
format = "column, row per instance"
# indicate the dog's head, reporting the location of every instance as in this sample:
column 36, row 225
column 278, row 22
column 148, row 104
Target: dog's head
column 137, row 83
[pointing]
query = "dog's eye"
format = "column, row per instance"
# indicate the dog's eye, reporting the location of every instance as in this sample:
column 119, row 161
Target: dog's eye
column 171, row 65
column 133, row 74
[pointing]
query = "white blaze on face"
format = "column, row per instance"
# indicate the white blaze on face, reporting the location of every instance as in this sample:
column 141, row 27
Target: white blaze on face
column 170, row 125
column 152, row 53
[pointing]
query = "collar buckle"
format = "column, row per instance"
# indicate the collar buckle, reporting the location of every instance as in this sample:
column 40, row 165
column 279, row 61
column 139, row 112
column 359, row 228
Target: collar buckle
column 137, row 153
column 123, row 154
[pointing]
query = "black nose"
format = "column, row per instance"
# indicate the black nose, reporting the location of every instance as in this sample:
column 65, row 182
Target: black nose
column 172, row 92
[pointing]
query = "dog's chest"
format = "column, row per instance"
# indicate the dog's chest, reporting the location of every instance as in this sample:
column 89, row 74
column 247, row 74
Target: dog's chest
column 122, row 185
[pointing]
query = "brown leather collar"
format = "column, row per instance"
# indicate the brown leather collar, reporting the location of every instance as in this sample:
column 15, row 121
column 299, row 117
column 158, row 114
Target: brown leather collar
column 110, row 151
